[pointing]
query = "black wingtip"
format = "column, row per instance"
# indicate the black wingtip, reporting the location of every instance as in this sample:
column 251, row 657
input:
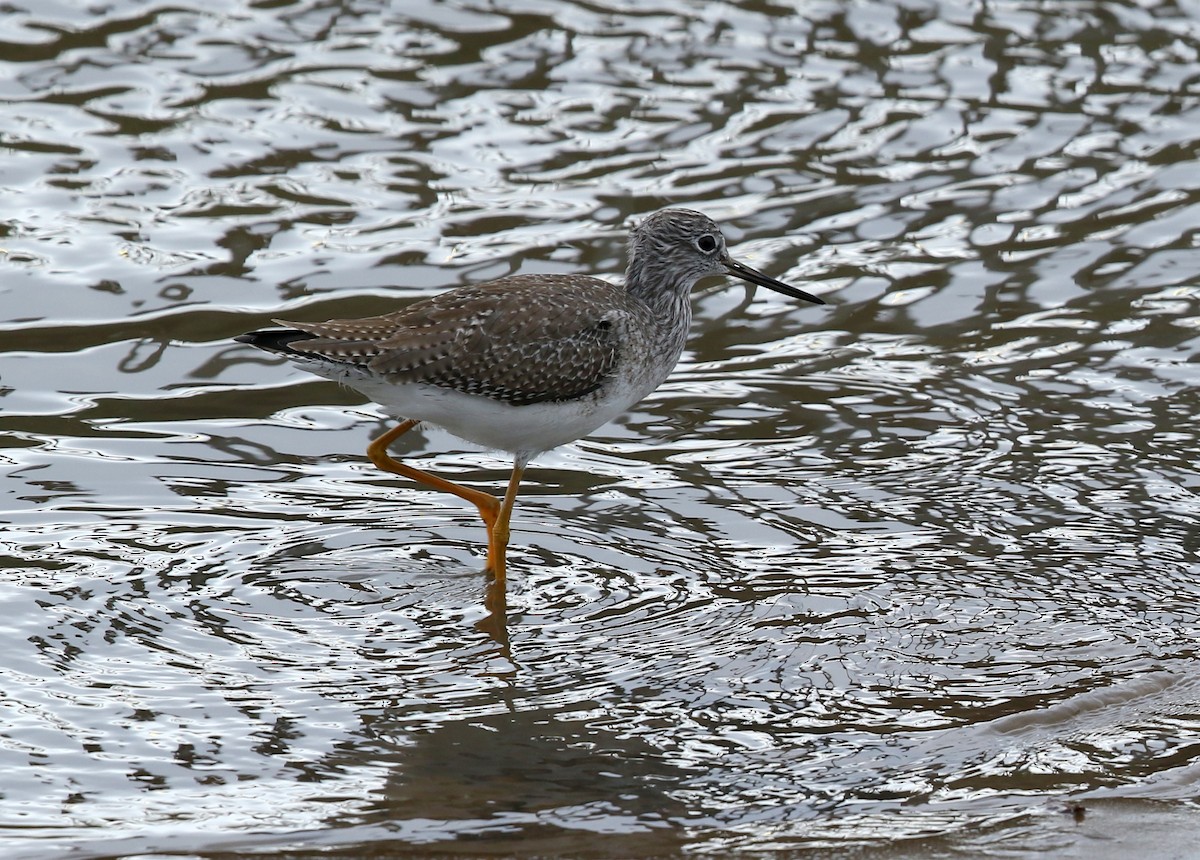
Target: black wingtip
column 274, row 339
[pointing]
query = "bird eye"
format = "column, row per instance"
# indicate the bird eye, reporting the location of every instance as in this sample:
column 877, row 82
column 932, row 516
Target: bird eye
column 707, row 243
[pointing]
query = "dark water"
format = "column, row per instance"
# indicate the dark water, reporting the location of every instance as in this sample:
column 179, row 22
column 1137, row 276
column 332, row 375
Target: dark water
column 915, row 573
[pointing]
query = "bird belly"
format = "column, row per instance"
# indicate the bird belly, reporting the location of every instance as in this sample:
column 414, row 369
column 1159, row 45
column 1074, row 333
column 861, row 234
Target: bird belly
column 529, row 429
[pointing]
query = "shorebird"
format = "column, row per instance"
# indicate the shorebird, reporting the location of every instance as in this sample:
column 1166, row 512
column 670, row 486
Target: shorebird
column 524, row 363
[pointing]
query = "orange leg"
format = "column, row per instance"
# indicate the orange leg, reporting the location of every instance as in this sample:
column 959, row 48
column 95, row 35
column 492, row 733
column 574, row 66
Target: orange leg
column 495, row 514
column 498, row 539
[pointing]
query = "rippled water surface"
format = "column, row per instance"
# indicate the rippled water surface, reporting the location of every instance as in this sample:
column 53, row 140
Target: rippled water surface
column 915, row 572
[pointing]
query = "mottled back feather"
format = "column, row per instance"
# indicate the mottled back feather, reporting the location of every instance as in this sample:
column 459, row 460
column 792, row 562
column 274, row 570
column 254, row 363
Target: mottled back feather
column 522, row 339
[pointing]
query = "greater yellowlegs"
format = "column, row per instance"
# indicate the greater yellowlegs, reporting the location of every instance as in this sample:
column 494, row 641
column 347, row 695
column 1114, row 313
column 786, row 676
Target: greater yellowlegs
column 525, row 363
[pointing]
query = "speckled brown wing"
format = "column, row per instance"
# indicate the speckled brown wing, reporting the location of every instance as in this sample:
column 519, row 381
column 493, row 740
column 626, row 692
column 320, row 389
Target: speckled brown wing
column 520, row 340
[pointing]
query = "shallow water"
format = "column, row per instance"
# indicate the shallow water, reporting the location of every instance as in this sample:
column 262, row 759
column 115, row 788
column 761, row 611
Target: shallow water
column 915, row 572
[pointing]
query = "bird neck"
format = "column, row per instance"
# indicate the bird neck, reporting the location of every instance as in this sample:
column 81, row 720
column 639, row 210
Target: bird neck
column 668, row 296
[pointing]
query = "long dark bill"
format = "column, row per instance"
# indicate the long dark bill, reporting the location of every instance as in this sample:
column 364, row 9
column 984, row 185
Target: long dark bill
column 754, row 276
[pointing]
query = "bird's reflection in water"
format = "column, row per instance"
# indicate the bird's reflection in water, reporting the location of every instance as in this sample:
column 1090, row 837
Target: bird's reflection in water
column 532, row 777
column 495, row 623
